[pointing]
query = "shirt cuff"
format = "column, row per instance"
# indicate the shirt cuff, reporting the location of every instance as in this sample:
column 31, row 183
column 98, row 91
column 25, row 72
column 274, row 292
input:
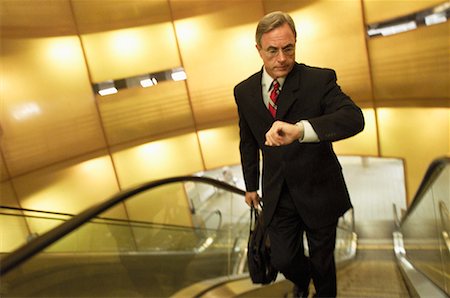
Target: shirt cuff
column 309, row 135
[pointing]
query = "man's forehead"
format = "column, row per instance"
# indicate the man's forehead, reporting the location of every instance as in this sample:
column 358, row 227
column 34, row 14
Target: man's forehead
column 275, row 35
column 278, row 43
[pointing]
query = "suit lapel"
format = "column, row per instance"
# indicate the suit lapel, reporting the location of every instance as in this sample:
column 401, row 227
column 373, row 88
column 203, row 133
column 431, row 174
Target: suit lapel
column 257, row 102
column 287, row 96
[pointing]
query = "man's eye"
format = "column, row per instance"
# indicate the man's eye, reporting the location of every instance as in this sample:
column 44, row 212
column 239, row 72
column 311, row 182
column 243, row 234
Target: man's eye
column 288, row 50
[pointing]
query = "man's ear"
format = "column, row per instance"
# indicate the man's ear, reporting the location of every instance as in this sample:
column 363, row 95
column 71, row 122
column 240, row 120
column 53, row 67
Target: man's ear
column 259, row 50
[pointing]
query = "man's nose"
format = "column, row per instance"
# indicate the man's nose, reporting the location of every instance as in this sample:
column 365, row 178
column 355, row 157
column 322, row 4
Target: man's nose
column 281, row 56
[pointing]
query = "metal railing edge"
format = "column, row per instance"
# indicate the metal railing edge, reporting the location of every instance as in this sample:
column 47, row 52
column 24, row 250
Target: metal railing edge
column 436, row 166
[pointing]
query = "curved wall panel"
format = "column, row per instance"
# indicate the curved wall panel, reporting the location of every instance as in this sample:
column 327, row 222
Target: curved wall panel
column 412, row 67
column 380, row 10
column 53, row 124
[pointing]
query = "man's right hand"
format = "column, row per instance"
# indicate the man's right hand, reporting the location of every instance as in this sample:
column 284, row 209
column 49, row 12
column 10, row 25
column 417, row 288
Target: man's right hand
column 252, row 198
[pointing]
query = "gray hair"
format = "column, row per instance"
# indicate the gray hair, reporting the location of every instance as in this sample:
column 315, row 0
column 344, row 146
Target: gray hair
column 271, row 21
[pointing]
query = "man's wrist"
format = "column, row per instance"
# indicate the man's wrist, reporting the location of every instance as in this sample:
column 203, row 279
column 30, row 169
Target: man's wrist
column 309, row 135
column 301, row 130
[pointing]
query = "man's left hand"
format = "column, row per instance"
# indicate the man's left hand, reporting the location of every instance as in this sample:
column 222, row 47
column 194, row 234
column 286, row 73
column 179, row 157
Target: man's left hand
column 283, row 133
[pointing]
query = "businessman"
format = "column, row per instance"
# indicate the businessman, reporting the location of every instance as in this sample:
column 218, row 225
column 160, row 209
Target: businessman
column 291, row 113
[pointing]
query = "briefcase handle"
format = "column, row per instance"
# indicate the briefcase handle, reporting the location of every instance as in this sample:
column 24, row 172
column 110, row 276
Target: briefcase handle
column 254, row 215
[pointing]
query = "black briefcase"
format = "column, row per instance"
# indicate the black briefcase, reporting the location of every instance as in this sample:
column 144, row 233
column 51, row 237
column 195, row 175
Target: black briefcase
column 258, row 253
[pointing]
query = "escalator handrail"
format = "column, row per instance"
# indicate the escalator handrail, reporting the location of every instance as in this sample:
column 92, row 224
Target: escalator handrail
column 433, row 171
column 40, row 243
column 109, row 219
column 34, row 210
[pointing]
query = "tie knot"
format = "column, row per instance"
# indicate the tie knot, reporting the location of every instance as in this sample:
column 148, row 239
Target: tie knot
column 274, row 97
column 275, row 85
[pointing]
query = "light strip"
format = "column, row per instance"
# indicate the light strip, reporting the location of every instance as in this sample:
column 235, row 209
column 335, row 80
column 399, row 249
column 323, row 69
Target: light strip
column 144, row 80
column 394, row 29
column 107, row 91
column 178, row 75
column 435, row 18
column 148, row 82
column 431, row 16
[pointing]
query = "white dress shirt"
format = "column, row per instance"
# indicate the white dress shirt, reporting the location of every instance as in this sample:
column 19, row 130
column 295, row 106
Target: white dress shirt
column 309, row 135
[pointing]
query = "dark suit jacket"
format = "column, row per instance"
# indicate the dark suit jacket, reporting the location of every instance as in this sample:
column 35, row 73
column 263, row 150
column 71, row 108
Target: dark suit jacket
column 311, row 171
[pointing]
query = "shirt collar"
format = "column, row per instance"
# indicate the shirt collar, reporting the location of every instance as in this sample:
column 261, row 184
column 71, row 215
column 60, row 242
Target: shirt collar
column 266, row 81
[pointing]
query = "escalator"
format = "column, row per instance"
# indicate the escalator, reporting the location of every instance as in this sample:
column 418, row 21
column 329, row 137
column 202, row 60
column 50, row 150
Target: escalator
column 202, row 254
column 90, row 255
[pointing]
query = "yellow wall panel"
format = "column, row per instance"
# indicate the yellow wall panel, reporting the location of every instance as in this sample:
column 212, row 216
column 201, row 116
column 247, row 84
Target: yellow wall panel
column 15, row 235
column 220, row 146
column 36, row 18
column 103, row 15
column 166, row 204
column 48, row 112
column 16, row 232
column 3, row 171
column 334, row 42
column 138, row 113
column 218, row 51
column 382, row 10
column 91, row 238
column 160, row 159
column 131, row 51
column 69, row 188
column 412, row 65
column 364, row 143
column 419, row 135
column 7, row 195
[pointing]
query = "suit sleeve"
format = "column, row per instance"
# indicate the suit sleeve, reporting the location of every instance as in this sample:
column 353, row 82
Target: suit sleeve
column 249, row 151
column 341, row 117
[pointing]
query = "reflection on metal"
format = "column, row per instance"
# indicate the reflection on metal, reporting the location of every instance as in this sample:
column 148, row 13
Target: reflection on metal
column 445, row 220
column 399, row 248
column 347, row 239
column 207, row 243
column 432, row 16
column 242, row 264
column 240, row 247
column 419, row 282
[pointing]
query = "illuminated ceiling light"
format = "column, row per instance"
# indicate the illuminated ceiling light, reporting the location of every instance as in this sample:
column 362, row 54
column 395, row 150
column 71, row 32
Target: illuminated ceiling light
column 148, row 82
column 107, row 88
column 178, row 75
column 436, row 15
column 436, row 18
column 442, row 7
column 143, row 80
column 392, row 29
column 399, row 28
column 107, row 91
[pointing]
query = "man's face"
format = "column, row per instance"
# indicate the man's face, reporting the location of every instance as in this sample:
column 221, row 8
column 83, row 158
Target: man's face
column 278, row 51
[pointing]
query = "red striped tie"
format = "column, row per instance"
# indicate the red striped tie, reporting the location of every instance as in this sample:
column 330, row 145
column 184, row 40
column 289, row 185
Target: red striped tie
column 273, row 98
